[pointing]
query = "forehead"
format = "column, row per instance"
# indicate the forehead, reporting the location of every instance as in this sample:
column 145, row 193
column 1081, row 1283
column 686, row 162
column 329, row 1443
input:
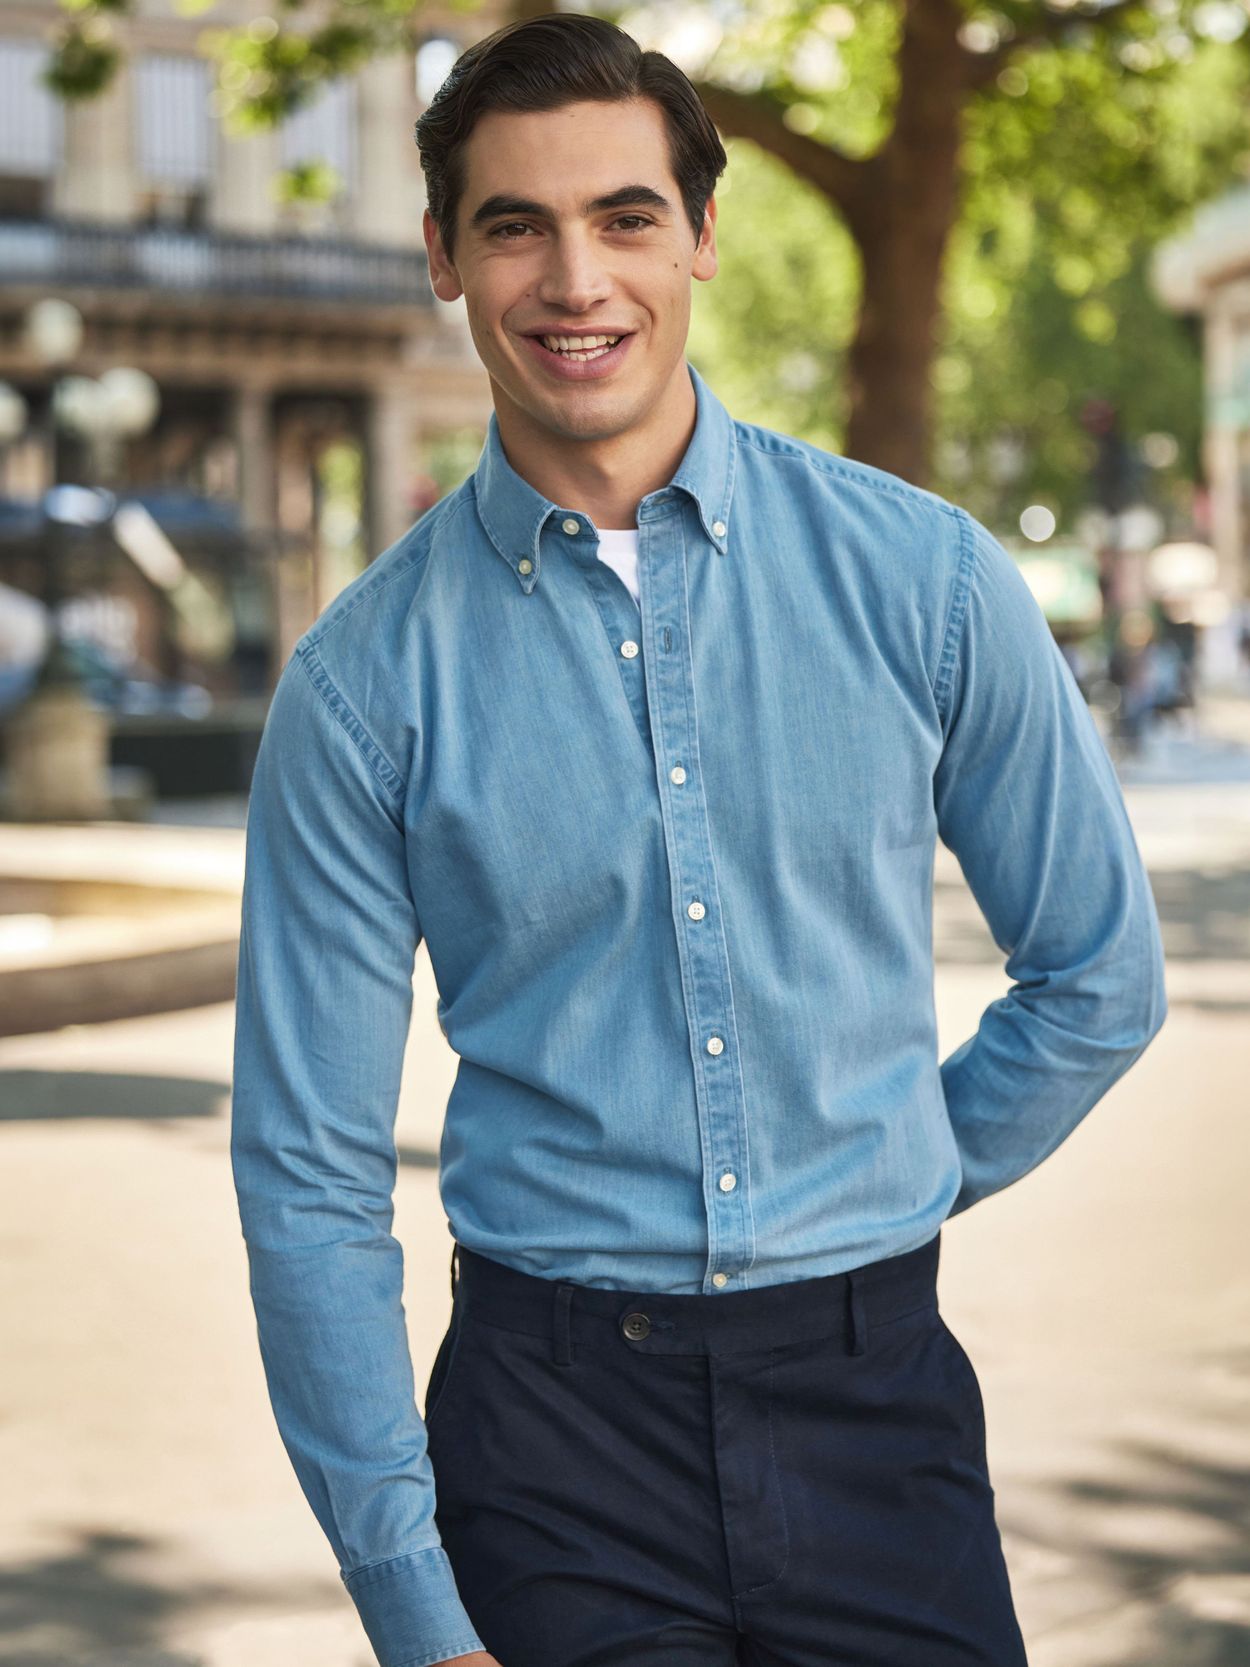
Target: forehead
column 565, row 156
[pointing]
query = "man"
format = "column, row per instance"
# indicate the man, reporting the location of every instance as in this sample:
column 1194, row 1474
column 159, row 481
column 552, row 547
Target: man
column 650, row 729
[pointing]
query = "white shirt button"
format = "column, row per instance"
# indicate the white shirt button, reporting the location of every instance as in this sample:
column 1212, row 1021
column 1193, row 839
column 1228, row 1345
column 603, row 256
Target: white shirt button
column 571, row 524
column 720, row 1279
column 695, row 910
column 629, row 649
column 728, row 1183
column 718, row 527
column 677, row 774
column 525, row 565
column 715, row 1045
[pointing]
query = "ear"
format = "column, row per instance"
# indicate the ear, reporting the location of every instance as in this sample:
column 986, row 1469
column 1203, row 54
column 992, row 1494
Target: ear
column 443, row 275
column 704, row 265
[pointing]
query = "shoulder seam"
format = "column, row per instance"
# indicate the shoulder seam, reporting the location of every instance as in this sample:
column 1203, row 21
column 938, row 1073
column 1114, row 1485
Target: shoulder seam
column 838, row 467
column 313, row 635
column 338, row 707
column 956, row 614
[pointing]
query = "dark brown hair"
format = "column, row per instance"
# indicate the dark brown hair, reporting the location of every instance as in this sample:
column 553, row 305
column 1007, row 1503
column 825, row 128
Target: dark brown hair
column 542, row 63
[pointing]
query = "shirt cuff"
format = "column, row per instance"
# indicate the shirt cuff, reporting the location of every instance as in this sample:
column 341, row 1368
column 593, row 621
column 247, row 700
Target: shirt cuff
column 411, row 1610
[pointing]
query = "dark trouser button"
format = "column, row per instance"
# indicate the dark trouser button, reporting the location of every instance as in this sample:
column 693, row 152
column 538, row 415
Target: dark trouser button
column 635, row 1326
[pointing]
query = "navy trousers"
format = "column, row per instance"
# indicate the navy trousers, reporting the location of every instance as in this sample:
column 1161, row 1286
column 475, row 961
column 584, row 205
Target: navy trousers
column 791, row 1476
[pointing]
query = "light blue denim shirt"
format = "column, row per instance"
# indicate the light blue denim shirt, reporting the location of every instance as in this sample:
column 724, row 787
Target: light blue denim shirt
column 673, row 865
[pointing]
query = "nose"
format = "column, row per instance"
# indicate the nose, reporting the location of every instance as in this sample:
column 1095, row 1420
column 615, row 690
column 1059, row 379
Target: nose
column 574, row 277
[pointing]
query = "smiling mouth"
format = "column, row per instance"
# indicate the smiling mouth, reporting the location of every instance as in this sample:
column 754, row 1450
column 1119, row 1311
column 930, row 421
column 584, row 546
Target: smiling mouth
column 580, row 349
column 582, row 358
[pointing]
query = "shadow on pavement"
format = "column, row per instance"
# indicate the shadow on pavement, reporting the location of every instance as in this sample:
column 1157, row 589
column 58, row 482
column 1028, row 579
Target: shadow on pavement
column 1148, row 1565
column 1204, row 914
column 47, row 1095
column 87, row 1606
column 51, row 1095
column 90, row 1606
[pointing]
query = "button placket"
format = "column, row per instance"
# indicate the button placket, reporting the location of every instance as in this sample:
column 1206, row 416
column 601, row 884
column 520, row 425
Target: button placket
column 701, row 946
column 615, row 605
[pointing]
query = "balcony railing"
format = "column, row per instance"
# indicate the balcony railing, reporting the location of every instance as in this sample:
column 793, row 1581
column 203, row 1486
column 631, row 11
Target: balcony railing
column 204, row 264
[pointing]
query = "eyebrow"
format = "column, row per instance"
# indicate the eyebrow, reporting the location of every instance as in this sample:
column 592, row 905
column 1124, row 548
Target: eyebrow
column 624, row 196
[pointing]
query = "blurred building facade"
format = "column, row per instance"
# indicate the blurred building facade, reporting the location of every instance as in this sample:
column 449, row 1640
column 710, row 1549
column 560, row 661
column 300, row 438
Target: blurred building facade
column 274, row 330
column 1206, row 272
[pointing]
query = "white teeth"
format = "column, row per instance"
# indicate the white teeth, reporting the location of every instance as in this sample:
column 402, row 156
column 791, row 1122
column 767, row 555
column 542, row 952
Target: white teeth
column 577, row 344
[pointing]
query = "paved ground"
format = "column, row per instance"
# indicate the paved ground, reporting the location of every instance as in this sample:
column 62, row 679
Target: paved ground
column 149, row 1516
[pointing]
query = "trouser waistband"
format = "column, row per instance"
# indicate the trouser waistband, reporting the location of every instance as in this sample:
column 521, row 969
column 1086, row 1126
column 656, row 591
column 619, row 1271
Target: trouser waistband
column 845, row 1305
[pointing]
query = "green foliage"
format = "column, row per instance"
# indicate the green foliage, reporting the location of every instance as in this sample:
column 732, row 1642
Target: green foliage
column 265, row 69
column 308, row 182
column 1076, row 165
column 85, row 59
column 1018, row 381
column 772, row 326
column 831, row 67
column 265, row 73
column 1104, row 152
column 1047, row 297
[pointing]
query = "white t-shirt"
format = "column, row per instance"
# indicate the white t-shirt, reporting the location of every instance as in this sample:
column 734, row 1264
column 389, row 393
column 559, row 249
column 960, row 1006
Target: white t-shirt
column 618, row 546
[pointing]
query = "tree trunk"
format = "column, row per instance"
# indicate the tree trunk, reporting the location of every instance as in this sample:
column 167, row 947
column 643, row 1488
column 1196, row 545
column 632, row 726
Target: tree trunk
column 902, row 223
column 900, row 206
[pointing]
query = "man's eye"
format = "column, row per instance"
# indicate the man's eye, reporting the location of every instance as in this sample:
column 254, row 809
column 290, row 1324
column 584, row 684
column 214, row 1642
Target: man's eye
column 505, row 233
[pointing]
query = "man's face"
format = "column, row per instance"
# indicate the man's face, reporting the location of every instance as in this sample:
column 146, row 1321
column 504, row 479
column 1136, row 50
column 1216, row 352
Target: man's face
column 537, row 253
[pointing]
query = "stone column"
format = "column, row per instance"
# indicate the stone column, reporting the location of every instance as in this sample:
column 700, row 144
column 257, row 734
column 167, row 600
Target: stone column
column 391, row 465
column 390, row 187
column 253, row 438
column 96, row 179
column 241, row 197
column 258, row 486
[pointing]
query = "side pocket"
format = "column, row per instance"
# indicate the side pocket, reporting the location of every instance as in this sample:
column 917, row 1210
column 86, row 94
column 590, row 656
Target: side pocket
column 444, row 1361
column 971, row 1388
column 961, row 1354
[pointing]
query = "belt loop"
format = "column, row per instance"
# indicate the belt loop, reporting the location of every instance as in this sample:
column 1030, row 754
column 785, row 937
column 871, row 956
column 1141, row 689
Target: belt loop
column 859, row 1319
column 562, row 1337
column 455, row 1269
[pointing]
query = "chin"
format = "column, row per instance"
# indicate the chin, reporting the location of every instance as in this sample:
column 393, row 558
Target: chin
column 602, row 413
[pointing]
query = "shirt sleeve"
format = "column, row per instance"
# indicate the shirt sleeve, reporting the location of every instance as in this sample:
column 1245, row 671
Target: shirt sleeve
column 1028, row 801
column 324, row 1000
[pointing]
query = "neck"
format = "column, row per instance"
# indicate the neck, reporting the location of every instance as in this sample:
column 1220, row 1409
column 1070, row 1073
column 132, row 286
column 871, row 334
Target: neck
column 605, row 476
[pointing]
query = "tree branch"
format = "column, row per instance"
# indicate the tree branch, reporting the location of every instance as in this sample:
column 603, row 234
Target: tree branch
column 758, row 117
column 1047, row 24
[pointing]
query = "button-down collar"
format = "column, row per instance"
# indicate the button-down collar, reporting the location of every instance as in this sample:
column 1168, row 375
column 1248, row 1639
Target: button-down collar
column 514, row 513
